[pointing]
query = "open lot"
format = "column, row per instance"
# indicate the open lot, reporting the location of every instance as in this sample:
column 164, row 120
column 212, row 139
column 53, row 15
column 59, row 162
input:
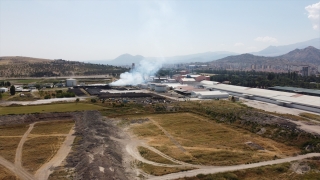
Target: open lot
column 53, row 127
column 195, row 139
column 8, row 146
column 5, row 174
column 39, row 150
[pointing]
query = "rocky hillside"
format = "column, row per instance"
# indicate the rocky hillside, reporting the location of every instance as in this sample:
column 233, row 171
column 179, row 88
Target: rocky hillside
column 33, row 67
column 308, row 55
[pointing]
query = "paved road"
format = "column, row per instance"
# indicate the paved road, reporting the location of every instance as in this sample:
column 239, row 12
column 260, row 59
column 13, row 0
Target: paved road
column 45, row 170
column 208, row 170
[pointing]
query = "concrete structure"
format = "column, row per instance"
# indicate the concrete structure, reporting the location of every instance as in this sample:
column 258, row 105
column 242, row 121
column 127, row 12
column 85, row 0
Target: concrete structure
column 3, row 89
column 210, row 94
column 160, row 88
column 188, row 81
column 143, row 86
column 152, row 86
column 71, row 82
column 287, row 99
column 305, row 71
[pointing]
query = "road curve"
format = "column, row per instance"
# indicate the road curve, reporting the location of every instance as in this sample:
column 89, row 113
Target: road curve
column 18, row 171
column 208, row 170
column 17, row 160
column 46, row 169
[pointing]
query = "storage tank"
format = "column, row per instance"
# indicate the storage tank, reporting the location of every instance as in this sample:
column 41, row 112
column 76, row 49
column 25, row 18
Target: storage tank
column 71, row 82
column 160, row 88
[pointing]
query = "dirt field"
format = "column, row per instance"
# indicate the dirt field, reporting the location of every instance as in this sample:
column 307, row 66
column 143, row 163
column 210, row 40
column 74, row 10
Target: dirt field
column 5, row 174
column 53, row 127
column 38, row 150
column 194, row 139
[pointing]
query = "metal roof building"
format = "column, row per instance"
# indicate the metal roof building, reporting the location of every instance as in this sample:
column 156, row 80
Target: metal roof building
column 312, row 92
column 288, row 99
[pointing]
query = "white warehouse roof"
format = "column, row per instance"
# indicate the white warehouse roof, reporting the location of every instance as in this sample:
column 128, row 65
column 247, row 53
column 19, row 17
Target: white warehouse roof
column 269, row 94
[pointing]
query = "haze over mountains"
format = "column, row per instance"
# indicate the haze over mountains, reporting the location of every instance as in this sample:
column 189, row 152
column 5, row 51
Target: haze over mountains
column 271, row 51
column 279, row 50
column 303, row 56
column 127, row 59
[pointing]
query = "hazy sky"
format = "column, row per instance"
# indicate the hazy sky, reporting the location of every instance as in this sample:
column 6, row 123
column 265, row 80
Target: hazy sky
column 105, row 29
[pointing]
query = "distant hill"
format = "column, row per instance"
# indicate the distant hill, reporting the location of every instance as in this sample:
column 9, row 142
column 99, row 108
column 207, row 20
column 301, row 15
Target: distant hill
column 279, row 50
column 34, row 67
column 252, row 59
column 20, row 59
column 127, row 59
column 306, row 55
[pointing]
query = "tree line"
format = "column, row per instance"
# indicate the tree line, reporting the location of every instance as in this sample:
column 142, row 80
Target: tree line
column 265, row 79
column 5, row 83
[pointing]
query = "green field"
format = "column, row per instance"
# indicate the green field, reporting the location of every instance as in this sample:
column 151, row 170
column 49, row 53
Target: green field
column 65, row 107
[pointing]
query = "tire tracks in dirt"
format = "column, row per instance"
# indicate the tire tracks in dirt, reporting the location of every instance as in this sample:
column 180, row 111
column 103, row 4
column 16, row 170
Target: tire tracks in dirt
column 46, row 169
column 18, row 157
column 218, row 169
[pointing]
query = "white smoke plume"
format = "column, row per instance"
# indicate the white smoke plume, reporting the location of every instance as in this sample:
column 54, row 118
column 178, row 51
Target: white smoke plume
column 139, row 74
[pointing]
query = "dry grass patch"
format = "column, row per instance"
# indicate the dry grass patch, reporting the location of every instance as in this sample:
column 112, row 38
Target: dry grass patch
column 13, row 130
column 8, row 147
column 152, row 156
column 159, row 171
column 5, row 174
column 53, row 127
column 202, row 137
column 310, row 116
column 39, row 150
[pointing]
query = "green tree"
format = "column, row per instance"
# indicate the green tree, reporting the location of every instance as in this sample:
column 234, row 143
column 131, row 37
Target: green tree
column 12, row 90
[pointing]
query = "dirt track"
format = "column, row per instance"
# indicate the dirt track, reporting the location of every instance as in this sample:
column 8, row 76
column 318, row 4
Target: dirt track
column 206, row 170
column 18, row 171
column 45, row 170
column 17, row 160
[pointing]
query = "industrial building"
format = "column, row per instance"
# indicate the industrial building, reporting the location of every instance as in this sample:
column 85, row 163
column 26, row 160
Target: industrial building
column 311, row 92
column 160, row 88
column 210, row 94
column 287, row 99
column 71, row 82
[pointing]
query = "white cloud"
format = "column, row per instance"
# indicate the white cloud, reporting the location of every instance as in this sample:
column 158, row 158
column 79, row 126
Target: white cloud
column 222, row 45
column 238, row 44
column 266, row 39
column 314, row 15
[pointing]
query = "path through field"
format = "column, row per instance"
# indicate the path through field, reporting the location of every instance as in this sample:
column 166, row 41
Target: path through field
column 45, row 170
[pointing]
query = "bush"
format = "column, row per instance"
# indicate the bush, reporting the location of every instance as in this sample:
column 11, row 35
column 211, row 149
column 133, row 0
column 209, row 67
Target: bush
column 47, row 96
column 93, row 100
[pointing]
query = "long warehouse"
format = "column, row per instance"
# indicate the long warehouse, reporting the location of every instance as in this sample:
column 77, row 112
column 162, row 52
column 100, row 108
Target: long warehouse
column 293, row 100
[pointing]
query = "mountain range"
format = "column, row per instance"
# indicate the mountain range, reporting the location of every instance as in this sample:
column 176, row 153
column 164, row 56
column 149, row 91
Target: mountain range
column 127, row 59
column 302, row 56
column 271, row 51
column 279, row 50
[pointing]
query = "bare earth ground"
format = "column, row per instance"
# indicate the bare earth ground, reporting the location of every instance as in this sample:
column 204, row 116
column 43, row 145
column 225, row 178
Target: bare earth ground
column 105, row 151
